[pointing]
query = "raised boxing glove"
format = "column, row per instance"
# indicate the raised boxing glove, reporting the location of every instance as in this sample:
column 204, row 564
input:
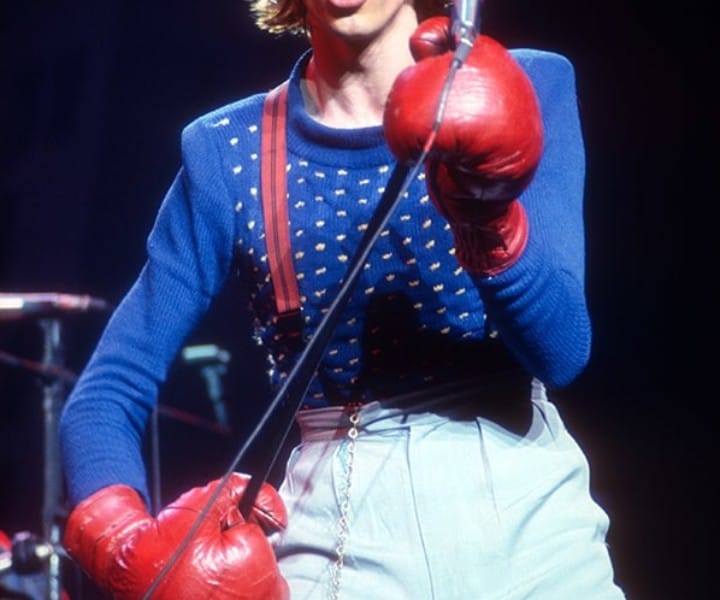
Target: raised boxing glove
column 123, row 548
column 488, row 145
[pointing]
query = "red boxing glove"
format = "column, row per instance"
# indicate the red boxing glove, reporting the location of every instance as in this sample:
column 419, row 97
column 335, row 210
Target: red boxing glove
column 123, row 548
column 487, row 148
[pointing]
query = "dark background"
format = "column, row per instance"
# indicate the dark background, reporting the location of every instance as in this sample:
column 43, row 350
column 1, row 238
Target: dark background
column 92, row 100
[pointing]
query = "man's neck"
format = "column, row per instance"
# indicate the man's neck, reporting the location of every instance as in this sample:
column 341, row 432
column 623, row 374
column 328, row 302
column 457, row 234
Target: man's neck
column 346, row 85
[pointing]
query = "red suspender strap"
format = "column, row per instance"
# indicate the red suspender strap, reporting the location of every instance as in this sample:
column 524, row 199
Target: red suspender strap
column 273, row 179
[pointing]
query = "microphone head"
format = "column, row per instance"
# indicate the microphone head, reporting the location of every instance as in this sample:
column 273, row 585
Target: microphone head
column 203, row 354
column 41, row 305
column 465, row 20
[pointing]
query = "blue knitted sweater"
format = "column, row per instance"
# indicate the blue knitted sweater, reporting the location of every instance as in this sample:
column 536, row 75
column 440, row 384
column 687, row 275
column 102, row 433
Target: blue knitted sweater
column 414, row 317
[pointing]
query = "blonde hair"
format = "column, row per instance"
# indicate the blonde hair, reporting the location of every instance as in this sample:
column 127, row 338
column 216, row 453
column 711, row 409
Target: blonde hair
column 288, row 16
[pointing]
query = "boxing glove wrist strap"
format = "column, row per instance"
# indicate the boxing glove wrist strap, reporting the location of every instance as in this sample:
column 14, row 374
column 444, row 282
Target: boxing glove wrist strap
column 490, row 247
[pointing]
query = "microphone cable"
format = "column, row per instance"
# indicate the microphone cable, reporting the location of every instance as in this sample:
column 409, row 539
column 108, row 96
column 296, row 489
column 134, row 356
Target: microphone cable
column 307, row 362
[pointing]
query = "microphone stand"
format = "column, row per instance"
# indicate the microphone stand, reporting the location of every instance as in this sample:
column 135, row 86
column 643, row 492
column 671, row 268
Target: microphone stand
column 48, row 309
column 53, row 397
column 279, row 415
column 35, row 555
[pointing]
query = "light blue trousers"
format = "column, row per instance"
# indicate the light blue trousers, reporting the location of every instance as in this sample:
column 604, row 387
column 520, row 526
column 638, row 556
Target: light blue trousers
column 441, row 509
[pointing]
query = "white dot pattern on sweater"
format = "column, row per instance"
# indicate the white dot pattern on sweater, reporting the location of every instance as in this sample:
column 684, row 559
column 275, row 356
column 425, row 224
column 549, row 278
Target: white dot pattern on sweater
column 411, row 294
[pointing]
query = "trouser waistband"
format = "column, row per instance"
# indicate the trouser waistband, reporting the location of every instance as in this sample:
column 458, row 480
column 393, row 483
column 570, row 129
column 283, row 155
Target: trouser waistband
column 504, row 400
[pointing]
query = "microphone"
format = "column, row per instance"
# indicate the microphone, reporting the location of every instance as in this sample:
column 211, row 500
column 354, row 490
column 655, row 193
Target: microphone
column 205, row 354
column 212, row 361
column 39, row 305
column 465, row 25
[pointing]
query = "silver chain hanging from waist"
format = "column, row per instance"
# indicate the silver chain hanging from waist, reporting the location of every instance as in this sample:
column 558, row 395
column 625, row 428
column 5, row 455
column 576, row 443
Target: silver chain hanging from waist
column 343, row 522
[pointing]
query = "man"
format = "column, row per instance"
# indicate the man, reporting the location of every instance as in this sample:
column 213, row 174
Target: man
column 432, row 464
